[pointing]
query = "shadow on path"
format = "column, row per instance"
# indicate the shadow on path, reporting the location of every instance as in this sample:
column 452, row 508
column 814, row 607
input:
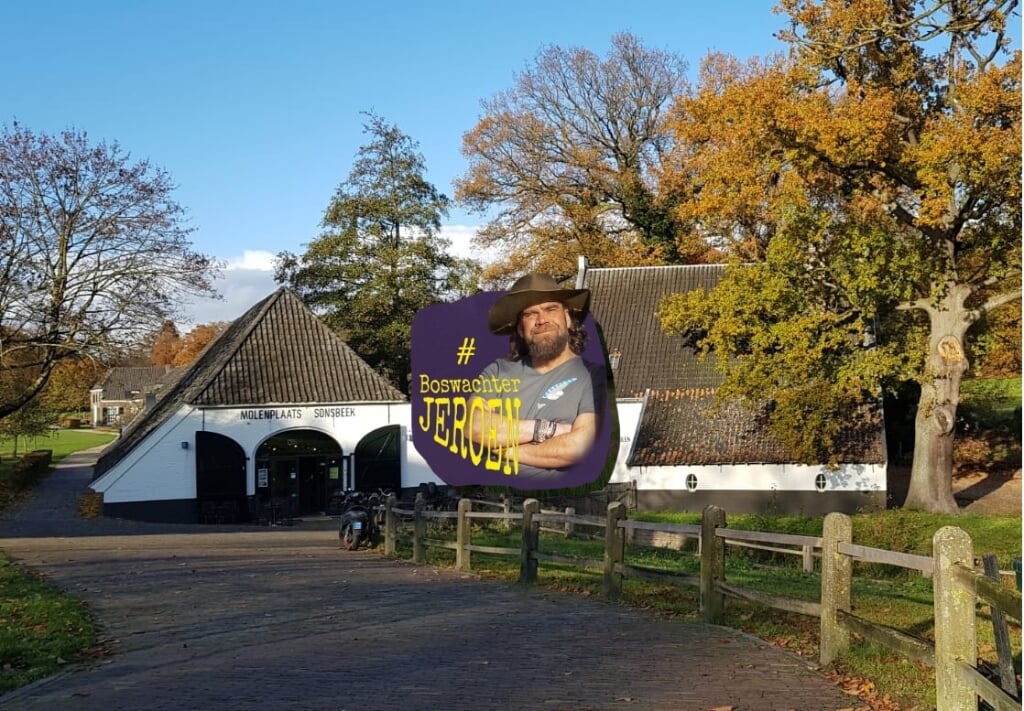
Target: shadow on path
column 206, row 617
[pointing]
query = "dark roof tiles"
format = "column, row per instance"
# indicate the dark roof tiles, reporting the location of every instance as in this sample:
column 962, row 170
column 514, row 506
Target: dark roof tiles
column 284, row 354
column 624, row 302
column 680, row 423
column 277, row 352
column 686, row 427
column 133, row 382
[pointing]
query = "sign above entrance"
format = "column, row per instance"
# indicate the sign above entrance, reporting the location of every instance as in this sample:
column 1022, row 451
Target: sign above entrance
column 521, row 405
column 297, row 413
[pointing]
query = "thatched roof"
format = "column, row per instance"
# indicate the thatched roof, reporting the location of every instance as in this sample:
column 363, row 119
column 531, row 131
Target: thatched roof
column 679, row 424
column 278, row 352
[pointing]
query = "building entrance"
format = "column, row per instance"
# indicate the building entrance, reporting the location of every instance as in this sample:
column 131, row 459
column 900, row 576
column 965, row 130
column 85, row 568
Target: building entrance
column 297, row 473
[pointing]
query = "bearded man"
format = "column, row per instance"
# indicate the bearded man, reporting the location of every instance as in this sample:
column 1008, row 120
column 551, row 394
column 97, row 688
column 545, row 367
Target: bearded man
column 558, row 416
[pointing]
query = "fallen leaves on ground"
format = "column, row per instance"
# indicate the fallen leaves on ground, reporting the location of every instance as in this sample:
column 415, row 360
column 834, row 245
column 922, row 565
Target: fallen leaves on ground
column 864, row 690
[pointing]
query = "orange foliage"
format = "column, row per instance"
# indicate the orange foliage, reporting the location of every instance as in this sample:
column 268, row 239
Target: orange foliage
column 165, row 345
column 195, row 341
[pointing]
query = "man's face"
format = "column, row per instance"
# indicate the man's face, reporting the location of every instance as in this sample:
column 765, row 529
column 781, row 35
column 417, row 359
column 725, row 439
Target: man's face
column 545, row 329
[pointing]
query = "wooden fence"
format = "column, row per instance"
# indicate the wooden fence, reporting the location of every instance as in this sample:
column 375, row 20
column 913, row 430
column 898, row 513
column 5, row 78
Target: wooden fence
column 957, row 585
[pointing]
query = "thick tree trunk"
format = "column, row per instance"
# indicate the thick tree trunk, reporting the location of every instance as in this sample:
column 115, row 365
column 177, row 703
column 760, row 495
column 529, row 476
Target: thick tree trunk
column 931, row 476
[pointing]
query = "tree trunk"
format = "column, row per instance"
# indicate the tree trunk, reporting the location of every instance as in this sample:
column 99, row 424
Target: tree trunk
column 931, row 476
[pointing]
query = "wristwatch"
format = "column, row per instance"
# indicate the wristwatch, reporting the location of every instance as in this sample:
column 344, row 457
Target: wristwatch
column 543, row 430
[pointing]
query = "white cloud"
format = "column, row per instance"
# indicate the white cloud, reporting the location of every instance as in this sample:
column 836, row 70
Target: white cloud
column 250, row 277
column 255, row 259
column 245, row 281
column 461, row 237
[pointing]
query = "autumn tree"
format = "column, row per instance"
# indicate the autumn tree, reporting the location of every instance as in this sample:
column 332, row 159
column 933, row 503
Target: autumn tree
column 996, row 351
column 568, row 157
column 68, row 387
column 381, row 257
column 872, row 181
column 195, row 341
column 93, row 252
column 166, row 344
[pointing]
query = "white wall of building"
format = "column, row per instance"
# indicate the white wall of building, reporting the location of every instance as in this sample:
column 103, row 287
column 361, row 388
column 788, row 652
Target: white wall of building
column 762, row 477
column 158, row 468
column 162, row 468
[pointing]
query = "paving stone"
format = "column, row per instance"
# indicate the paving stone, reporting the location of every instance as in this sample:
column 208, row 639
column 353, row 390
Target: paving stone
column 240, row 618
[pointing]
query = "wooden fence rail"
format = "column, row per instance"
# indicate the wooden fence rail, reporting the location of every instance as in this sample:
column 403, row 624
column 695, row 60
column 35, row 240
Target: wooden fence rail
column 957, row 585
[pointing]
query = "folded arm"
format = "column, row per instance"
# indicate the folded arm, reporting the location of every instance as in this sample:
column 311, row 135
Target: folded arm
column 569, row 445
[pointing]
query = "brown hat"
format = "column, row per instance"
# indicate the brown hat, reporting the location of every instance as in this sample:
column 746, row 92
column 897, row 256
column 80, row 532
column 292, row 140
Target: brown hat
column 527, row 291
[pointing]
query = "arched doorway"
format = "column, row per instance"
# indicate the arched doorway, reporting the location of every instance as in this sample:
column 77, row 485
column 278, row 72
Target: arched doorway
column 220, row 478
column 298, row 472
column 379, row 460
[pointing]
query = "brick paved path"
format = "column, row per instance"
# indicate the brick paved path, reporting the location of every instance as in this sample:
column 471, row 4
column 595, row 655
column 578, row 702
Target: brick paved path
column 207, row 618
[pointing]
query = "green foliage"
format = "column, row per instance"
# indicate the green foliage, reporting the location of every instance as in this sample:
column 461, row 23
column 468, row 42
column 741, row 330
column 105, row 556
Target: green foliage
column 796, row 336
column 42, row 629
column 381, row 257
column 996, row 350
column 33, row 420
column 991, row 404
column 873, row 174
column 70, row 383
column 27, row 470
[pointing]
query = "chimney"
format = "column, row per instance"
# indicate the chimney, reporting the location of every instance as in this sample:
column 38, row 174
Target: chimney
column 581, row 272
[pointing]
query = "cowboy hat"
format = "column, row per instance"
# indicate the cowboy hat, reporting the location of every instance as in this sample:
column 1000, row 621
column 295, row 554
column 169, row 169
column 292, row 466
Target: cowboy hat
column 527, row 291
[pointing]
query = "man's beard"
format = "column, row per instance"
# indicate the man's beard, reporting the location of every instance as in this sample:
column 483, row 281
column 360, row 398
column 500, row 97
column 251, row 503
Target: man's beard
column 546, row 346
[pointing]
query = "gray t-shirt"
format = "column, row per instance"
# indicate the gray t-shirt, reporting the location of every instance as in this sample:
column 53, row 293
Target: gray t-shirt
column 559, row 395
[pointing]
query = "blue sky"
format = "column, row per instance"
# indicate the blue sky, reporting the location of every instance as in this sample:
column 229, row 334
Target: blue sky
column 254, row 107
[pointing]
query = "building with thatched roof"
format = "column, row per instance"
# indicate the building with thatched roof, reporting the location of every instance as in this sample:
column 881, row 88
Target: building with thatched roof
column 677, row 448
column 279, row 414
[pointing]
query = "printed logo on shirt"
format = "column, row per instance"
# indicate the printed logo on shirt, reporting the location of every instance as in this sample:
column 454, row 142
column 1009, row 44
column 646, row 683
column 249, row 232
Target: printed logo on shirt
column 557, row 390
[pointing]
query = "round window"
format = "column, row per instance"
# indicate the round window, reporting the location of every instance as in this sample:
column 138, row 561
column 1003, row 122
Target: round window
column 820, row 482
column 691, row 481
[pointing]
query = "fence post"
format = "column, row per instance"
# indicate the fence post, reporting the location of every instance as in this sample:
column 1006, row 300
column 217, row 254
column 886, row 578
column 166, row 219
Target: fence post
column 419, row 530
column 462, row 536
column 712, row 564
column 836, row 581
column 614, row 550
column 808, row 559
column 1007, row 677
column 506, row 508
column 531, row 537
column 955, row 622
column 570, row 527
column 389, row 526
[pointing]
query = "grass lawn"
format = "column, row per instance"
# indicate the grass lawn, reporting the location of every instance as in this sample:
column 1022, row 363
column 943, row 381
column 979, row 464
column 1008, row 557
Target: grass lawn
column 61, row 442
column 41, row 628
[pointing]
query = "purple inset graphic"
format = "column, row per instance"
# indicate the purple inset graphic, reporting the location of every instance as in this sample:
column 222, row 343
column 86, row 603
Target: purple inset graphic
column 451, row 348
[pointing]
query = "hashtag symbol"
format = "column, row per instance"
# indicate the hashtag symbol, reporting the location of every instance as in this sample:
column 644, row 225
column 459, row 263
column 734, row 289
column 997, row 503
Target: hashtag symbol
column 466, row 351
